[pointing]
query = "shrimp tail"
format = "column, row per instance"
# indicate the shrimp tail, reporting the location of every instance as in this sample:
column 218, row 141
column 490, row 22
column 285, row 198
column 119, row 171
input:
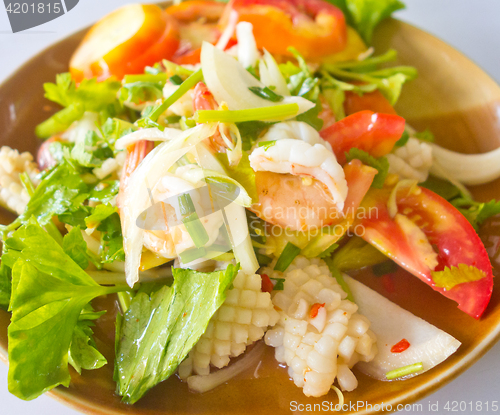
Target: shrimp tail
column 135, row 154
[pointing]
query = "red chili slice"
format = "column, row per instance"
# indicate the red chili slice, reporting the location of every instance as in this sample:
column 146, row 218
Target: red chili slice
column 401, row 346
column 315, row 309
column 267, row 285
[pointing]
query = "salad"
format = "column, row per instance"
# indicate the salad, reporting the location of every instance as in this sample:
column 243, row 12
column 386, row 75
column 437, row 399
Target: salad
column 222, row 169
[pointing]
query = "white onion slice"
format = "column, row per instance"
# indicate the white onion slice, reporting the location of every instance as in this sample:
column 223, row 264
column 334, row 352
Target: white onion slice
column 469, row 169
column 391, row 324
column 248, row 54
column 135, row 199
column 235, row 219
column 229, row 81
column 203, row 384
column 270, row 75
column 148, row 134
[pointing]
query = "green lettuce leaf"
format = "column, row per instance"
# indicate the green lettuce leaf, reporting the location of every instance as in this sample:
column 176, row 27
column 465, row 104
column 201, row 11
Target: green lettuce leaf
column 49, row 292
column 83, row 353
column 158, row 330
column 365, row 15
column 5, row 285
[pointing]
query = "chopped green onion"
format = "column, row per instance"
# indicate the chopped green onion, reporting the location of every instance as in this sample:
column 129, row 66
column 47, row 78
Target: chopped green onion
column 176, row 80
column 187, row 123
column 196, row 230
column 266, row 93
column 222, row 256
column 403, row 371
column 340, row 279
column 159, row 78
column 287, row 257
column 186, row 205
column 263, row 259
column 267, row 144
column 192, row 255
column 176, row 95
column 173, row 119
column 278, row 285
column 254, row 114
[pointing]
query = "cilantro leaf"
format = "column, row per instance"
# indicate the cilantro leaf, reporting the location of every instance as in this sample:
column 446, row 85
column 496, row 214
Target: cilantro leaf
column 250, row 132
column 49, row 291
column 92, row 151
column 111, row 239
column 141, row 92
column 425, row 135
column 158, row 331
column 100, row 213
column 61, row 190
column 381, row 164
column 476, row 212
column 451, row 277
column 90, row 95
column 443, row 188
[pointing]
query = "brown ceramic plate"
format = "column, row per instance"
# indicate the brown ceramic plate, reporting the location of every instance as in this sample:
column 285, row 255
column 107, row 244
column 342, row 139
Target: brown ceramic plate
column 452, row 96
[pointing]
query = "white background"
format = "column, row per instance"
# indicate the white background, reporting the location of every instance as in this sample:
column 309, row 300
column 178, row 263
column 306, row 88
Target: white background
column 471, row 26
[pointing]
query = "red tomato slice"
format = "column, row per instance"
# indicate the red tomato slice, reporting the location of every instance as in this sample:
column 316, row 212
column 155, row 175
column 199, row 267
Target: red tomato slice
column 164, row 48
column 197, row 23
column 314, row 27
column 190, row 11
column 124, row 37
column 446, row 229
column 372, row 132
column 372, row 101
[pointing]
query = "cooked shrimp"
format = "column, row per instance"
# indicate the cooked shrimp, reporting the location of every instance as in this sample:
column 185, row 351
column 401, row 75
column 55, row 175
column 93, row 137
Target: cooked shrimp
column 135, row 154
column 300, row 186
column 204, row 100
column 164, row 234
column 169, row 237
column 297, row 130
column 44, row 156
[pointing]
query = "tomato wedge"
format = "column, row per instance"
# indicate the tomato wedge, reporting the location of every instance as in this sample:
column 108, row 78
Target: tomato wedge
column 448, row 232
column 374, row 133
column 372, row 101
column 197, row 23
column 125, row 41
column 314, row 27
